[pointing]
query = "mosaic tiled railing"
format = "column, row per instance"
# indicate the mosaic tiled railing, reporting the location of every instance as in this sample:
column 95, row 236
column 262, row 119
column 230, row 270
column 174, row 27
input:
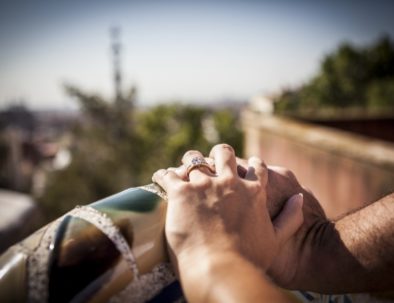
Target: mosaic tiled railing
column 111, row 250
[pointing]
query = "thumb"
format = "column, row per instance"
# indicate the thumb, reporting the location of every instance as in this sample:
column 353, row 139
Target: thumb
column 290, row 218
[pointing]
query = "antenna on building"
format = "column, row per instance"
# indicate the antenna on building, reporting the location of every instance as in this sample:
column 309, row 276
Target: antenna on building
column 117, row 75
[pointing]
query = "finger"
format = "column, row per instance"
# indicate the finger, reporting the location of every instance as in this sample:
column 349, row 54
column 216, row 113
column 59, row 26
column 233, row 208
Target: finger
column 198, row 172
column 290, row 218
column 181, row 171
column 257, row 170
column 166, row 179
column 224, row 157
column 285, row 172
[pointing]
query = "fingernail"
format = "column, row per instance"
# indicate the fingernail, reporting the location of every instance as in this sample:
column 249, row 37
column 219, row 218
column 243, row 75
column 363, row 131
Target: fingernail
column 300, row 199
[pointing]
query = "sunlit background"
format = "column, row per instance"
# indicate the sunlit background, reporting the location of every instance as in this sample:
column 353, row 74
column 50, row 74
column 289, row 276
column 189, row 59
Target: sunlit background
column 97, row 95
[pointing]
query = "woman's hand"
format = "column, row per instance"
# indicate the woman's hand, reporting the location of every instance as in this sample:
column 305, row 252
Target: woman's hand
column 211, row 215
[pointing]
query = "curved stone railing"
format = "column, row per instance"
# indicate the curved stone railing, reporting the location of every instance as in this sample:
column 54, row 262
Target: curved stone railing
column 344, row 170
column 112, row 250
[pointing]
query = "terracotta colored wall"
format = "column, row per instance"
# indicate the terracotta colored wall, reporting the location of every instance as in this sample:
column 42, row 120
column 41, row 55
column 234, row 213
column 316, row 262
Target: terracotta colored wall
column 345, row 171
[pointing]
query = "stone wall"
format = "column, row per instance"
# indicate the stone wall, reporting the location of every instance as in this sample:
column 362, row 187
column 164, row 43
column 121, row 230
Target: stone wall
column 345, row 171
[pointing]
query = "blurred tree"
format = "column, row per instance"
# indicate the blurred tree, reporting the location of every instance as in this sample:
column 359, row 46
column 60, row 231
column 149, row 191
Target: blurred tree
column 380, row 58
column 349, row 77
column 101, row 153
column 226, row 123
column 380, row 94
column 115, row 148
column 165, row 132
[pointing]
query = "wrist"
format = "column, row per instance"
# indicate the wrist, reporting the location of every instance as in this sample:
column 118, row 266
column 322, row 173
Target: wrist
column 203, row 259
column 202, row 270
column 321, row 246
column 226, row 276
column 206, row 252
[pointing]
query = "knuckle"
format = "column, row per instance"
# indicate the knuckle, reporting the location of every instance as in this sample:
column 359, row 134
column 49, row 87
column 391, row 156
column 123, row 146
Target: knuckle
column 159, row 174
column 289, row 174
column 167, row 174
column 161, row 171
column 286, row 173
column 279, row 169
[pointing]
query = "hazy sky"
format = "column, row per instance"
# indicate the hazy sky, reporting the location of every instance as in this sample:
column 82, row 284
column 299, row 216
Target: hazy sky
column 184, row 50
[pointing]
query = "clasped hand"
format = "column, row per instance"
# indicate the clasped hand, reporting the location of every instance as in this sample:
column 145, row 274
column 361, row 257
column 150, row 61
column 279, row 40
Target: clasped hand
column 213, row 213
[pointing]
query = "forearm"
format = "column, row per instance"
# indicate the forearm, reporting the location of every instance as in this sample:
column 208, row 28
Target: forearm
column 226, row 277
column 354, row 253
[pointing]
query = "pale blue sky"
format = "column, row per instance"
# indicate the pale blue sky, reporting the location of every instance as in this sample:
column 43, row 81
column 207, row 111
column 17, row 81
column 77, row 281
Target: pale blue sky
column 184, row 50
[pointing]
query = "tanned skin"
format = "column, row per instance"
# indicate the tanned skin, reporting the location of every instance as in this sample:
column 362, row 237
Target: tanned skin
column 223, row 251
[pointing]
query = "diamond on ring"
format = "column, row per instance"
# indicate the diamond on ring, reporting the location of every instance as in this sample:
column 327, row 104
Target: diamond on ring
column 198, row 162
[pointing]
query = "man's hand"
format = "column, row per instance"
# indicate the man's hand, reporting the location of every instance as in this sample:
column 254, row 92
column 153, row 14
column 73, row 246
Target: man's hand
column 288, row 268
column 351, row 254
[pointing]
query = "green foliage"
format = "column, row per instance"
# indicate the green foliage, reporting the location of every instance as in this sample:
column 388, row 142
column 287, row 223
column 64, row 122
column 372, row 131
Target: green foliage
column 349, row 77
column 380, row 94
column 118, row 148
column 228, row 129
column 165, row 132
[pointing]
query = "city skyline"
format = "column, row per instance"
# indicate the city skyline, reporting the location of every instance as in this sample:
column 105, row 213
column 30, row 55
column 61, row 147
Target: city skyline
column 175, row 50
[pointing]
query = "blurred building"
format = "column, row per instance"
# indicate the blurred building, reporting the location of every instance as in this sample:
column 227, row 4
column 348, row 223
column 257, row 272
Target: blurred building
column 31, row 144
column 20, row 216
column 27, row 140
column 18, row 153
